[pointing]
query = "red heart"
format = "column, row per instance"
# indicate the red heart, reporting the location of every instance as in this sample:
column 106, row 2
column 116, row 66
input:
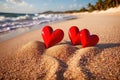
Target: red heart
column 51, row 37
column 74, row 35
column 87, row 39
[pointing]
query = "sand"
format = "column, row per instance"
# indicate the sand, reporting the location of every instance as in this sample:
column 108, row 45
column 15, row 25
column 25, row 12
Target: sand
column 26, row 58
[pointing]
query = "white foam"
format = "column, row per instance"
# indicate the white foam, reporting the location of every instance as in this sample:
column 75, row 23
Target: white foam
column 2, row 18
column 26, row 21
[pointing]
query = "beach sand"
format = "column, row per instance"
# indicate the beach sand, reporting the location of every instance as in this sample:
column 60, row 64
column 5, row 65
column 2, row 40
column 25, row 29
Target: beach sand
column 26, row 58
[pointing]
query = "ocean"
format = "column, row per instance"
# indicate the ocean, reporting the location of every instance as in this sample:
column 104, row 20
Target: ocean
column 12, row 25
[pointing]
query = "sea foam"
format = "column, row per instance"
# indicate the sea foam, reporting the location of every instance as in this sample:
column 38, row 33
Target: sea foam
column 12, row 23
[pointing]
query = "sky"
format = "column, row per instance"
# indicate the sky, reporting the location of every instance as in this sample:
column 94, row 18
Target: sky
column 37, row 6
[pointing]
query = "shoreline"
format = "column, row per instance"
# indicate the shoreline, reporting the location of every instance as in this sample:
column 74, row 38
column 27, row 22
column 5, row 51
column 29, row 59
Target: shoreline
column 21, row 31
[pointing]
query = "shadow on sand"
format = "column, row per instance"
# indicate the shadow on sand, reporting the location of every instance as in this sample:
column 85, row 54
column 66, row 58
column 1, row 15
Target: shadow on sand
column 108, row 45
column 101, row 46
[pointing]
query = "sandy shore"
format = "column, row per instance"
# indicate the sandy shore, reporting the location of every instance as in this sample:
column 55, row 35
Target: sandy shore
column 25, row 56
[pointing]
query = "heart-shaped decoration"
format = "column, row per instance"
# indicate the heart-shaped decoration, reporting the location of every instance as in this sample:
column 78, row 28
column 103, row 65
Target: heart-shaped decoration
column 74, row 35
column 51, row 37
column 87, row 39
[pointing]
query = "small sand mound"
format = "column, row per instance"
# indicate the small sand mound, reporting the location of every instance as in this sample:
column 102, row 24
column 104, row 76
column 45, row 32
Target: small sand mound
column 106, row 66
column 61, row 52
column 75, row 69
column 35, row 47
column 30, row 53
column 29, row 64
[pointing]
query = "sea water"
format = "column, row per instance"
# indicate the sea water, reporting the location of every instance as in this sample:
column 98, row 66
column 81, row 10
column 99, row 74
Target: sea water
column 13, row 26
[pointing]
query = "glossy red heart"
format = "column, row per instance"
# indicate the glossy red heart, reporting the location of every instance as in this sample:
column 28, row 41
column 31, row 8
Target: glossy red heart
column 87, row 39
column 74, row 35
column 51, row 37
